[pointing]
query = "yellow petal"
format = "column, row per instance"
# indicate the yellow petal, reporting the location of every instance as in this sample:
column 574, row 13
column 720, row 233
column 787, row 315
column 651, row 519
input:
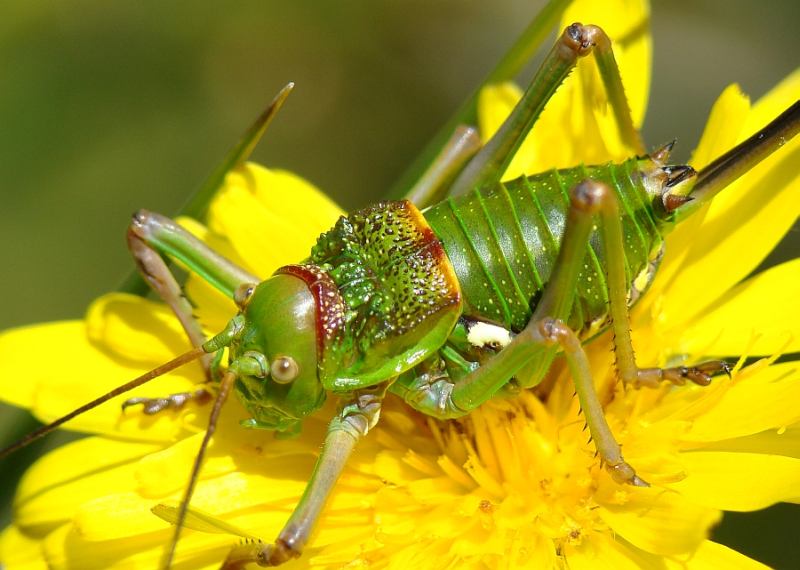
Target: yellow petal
column 54, row 401
column 722, row 129
column 599, row 553
column 713, row 556
column 781, row 441
column 495, row 103
column 657, row 521
column 20, row 353
column 65, row 549
column 739, row 481
column 19, row 551
column 757, row 317
column 270, row 218
column 627, row 24
column 288, row 195
column 158, row 477
column 264, row 239
column 212, row 308
column 136, row 329
column 116, row 515
column 752, row 403
column 255, row 451
column 579, row 113
column 55, row 487
column 86, row 372
column 577, row 125
column 721, row 132
column 773, row 103
column 742, row 224
column 757, row 188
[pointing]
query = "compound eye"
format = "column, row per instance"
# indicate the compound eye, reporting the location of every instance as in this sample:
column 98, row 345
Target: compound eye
column 243, row 294
column 284, row 369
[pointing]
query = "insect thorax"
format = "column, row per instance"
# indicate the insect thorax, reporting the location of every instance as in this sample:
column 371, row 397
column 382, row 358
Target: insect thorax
column 395, row 290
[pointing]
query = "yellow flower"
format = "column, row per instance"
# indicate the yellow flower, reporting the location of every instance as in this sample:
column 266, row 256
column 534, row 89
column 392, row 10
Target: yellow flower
column 515, row 484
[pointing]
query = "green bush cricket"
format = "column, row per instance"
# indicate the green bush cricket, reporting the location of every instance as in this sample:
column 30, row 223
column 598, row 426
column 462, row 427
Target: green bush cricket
column 444, row 358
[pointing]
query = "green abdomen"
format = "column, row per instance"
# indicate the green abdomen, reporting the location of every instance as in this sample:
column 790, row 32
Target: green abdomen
column 503, row 242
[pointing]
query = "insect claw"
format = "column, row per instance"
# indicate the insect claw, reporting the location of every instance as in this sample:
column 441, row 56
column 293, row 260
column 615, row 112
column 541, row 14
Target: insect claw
column 152, row 406
column 622, row 472
column 715, row 367
column 701, row 374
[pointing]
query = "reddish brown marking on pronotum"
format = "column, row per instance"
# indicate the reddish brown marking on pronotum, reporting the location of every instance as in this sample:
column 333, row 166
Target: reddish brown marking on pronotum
column 329, row 303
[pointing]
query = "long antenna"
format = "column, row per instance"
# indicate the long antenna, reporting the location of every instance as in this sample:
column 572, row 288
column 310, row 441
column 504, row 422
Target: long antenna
column 146, row 377
column 741, row 158
column 222, row 395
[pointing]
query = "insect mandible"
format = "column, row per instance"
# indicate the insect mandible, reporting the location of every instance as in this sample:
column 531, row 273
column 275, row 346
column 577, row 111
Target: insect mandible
column 430, row 305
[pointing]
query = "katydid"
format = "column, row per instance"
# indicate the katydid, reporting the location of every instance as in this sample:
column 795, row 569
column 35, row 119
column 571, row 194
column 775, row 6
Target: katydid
column 445, row 297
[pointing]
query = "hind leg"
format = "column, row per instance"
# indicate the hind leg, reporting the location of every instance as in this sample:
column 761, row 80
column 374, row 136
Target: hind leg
column 537, row 343
column 629, row 371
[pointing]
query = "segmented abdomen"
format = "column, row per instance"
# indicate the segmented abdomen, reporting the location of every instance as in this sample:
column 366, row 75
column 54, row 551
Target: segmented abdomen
column 503, row 242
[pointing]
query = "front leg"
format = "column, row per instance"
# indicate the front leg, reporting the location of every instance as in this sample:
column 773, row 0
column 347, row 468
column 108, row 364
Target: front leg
column 151, row 236
column 359, row 414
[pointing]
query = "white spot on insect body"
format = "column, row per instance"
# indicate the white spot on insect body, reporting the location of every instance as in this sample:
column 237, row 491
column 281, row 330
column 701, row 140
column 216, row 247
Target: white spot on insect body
column 643, row 279
column 484, row 334
column 641, row 282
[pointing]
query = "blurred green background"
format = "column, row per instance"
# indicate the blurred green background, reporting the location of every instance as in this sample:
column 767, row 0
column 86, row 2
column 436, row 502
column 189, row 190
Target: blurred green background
column 106, row 107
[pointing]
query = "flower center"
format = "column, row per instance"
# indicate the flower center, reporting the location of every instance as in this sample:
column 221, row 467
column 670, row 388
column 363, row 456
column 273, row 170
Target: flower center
column 510, row 479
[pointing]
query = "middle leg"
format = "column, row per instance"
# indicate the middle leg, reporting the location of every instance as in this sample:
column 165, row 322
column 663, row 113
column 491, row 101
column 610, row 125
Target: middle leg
column 358, row 414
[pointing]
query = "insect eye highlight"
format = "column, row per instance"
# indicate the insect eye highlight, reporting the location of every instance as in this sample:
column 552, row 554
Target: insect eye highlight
column 284, row 369
column 243, row 294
